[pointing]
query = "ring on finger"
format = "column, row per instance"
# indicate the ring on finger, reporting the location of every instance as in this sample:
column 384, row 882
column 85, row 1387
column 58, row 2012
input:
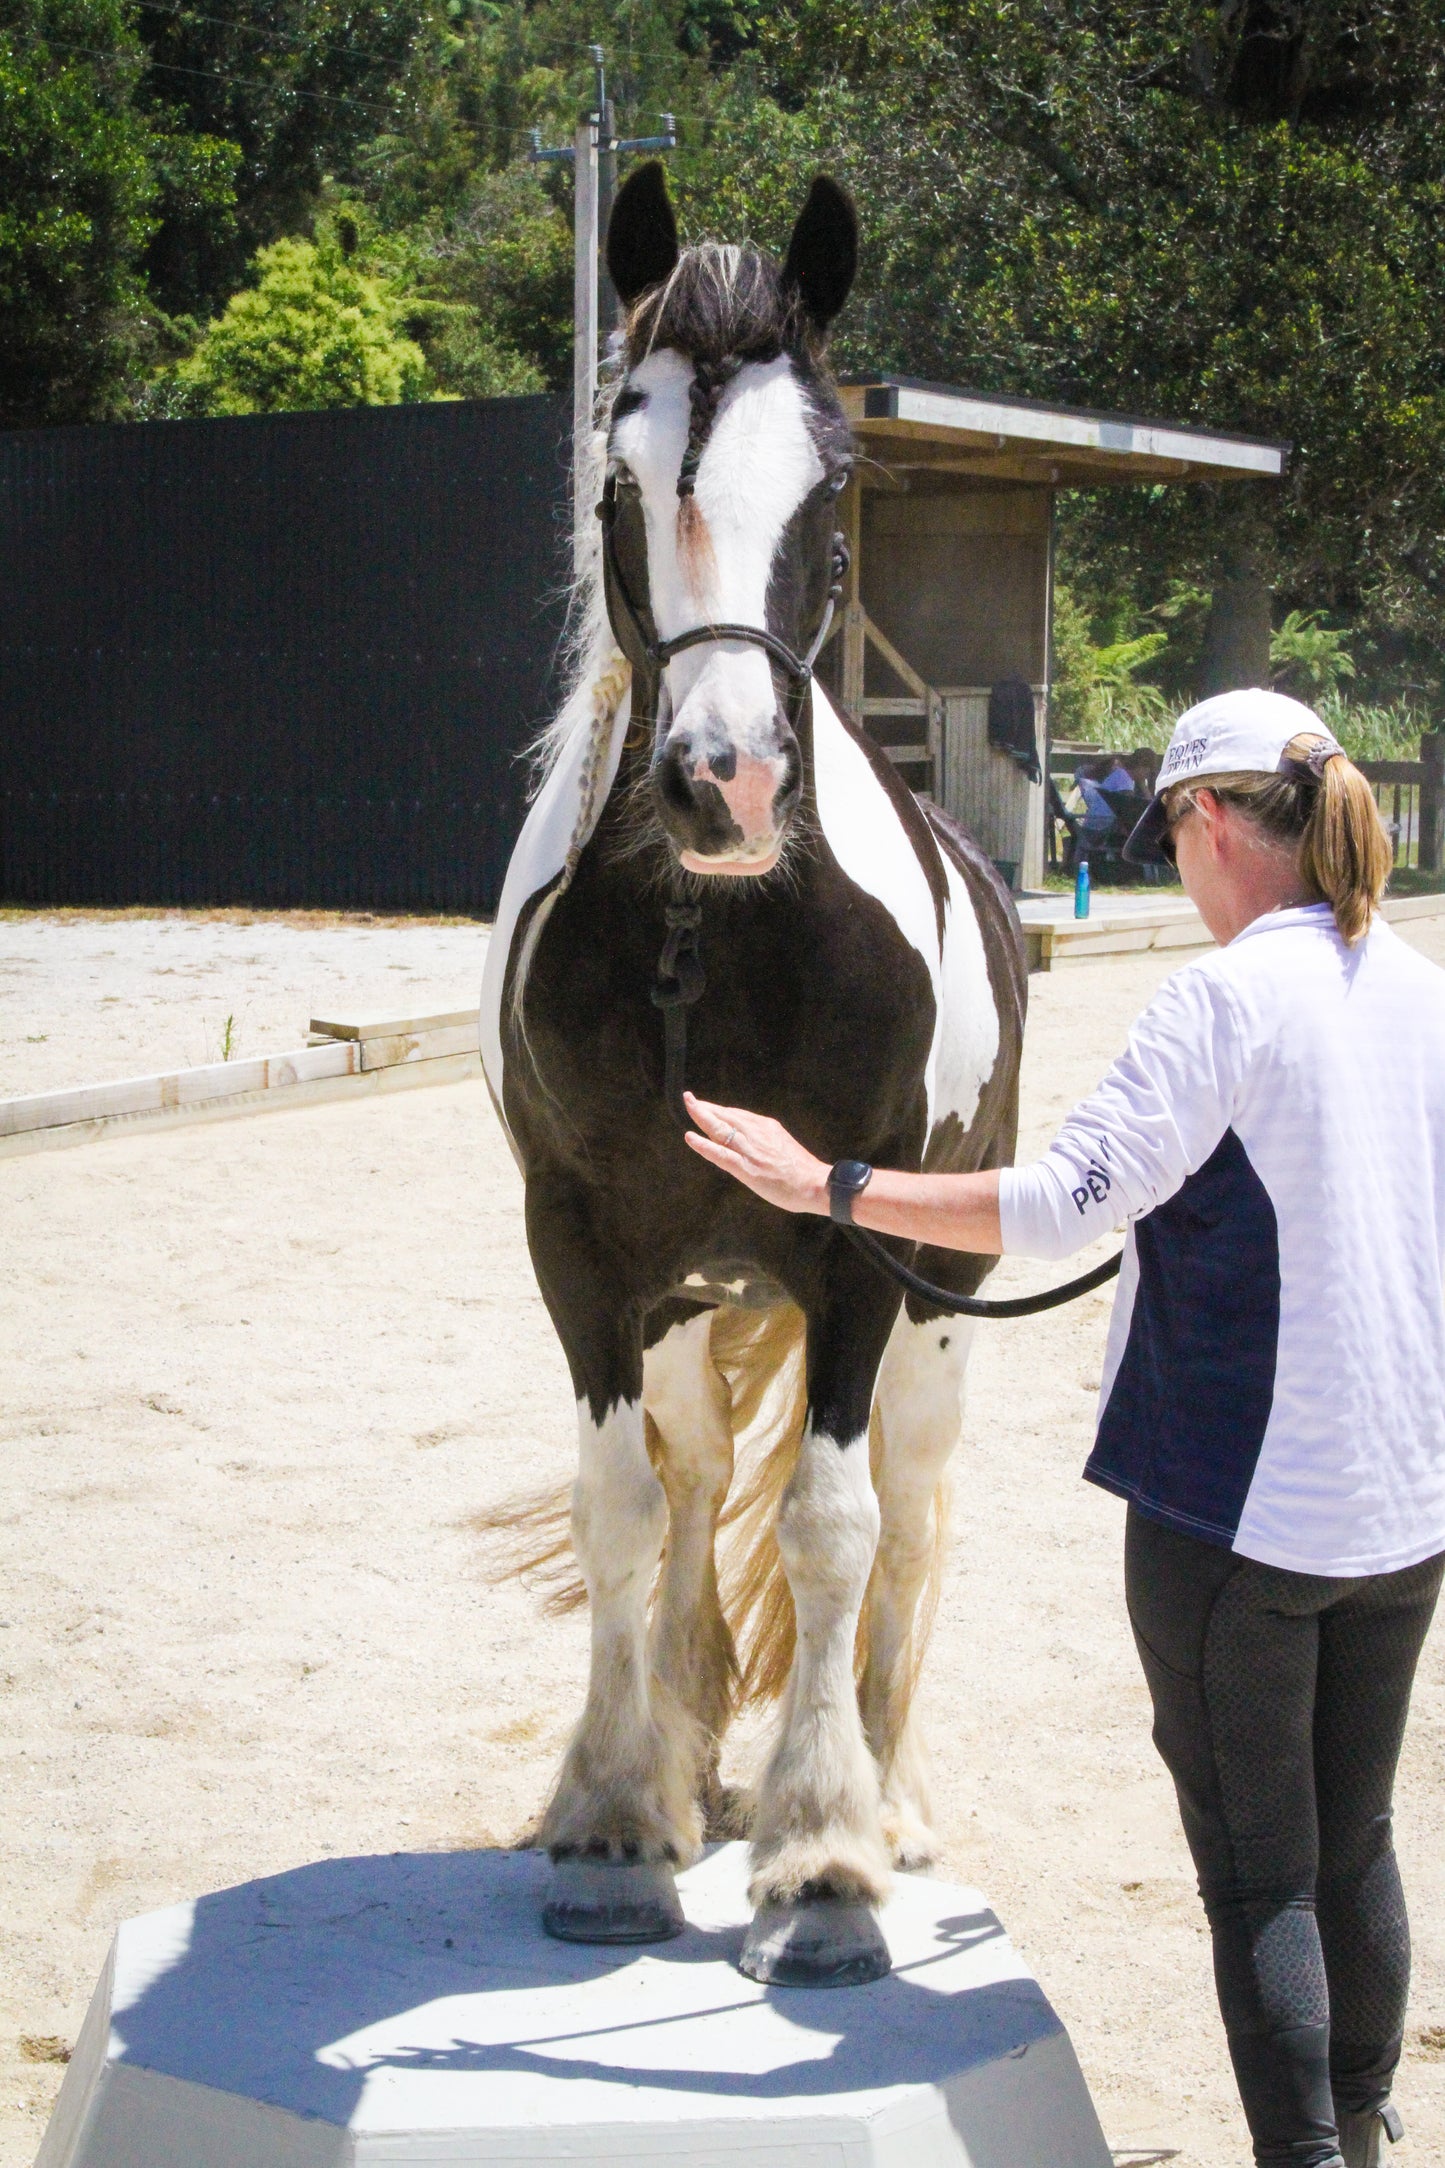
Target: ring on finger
column 727, row 1140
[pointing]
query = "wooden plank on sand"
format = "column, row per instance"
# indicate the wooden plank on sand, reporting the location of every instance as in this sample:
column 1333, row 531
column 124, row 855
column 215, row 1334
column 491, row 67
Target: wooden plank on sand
column 181, row 1088
column 403, row 1046
column 397, row 1027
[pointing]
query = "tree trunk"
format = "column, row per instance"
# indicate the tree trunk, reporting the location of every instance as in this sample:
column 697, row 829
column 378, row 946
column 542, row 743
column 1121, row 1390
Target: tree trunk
column 1236, row 635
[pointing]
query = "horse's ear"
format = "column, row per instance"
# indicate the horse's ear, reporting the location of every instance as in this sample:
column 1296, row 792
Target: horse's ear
column 641, row 234
column 823, row 253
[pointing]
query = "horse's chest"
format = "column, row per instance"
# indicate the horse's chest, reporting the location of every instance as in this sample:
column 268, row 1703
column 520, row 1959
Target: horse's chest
column 797, row 1002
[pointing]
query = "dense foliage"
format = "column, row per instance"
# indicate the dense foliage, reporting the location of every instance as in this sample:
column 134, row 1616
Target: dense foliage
column 312, row 332
column 76, row 193
column 1227, row 213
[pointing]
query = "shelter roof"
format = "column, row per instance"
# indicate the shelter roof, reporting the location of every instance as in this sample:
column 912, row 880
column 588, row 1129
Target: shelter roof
column 944, row 429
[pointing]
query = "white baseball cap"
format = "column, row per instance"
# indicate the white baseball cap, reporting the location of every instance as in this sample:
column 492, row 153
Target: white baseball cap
column 1243, row 733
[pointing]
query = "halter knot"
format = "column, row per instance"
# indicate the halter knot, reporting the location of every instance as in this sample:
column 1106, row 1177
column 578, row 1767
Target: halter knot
column 680, row 977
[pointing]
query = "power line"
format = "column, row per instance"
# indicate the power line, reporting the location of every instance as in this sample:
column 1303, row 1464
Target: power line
column 218, row 75
column 314, row 97
column 249, row 30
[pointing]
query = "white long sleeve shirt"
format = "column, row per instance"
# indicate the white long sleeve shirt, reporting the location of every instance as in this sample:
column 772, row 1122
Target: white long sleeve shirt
column 1274, row 1136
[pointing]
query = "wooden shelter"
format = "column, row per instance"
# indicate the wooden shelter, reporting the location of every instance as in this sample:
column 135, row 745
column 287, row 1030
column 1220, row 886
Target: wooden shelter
column 950, row 524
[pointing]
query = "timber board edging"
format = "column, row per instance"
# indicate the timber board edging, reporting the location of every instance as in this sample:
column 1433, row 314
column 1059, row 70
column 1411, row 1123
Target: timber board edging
column 1060, row 940
column 346, row 1060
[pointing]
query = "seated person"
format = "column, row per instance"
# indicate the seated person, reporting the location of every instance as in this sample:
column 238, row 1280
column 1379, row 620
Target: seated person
column 1097, row 822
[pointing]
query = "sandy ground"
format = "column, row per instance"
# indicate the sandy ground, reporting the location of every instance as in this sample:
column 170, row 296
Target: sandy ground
column 88, row 997
column 259, row 1379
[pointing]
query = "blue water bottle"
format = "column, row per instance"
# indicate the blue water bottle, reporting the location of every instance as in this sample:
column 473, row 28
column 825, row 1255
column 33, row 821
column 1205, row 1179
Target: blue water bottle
column 1081, row 889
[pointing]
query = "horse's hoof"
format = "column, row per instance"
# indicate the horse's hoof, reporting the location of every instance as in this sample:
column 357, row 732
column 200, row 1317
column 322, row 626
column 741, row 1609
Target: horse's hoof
column 597, row 1901
column 827, row 1942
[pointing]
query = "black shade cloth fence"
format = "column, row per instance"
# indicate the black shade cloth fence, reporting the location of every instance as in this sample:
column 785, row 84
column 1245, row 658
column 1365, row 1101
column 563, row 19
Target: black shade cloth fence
column 287, row 659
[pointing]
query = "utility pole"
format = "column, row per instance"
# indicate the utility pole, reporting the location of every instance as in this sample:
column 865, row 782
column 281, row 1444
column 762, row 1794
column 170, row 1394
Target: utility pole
column 593, row 154
column 607, row 149
column 584, row 324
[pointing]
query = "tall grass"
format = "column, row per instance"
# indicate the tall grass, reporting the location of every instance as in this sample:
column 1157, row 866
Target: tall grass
column 1103, row 694
column 1368, row 731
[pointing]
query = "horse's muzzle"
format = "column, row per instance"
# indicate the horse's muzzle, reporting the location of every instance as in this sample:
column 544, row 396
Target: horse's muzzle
column 727, row 812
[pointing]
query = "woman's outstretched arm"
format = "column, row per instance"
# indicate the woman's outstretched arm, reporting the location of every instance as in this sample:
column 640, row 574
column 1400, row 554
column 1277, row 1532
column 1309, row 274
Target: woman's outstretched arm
column 951, row 1211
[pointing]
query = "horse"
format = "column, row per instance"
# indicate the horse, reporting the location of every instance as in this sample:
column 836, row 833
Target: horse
column 713, row 836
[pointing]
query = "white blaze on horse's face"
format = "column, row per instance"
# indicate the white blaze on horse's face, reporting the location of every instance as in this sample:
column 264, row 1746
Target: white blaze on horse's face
column 729, row 768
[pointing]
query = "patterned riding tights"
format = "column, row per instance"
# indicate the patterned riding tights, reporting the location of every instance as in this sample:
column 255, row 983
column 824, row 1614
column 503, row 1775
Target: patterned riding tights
column 1279, row 1708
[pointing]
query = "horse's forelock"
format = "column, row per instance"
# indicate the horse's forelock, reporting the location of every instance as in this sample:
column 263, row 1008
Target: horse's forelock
column 721, row 306
column 720, row 302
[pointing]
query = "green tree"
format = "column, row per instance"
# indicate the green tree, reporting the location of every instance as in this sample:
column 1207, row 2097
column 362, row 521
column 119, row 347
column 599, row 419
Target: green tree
column 76, row 196
column 1099, row 695
column 492, row 280
column 313, row 332
column 1224, row 215
column 1308, row 657
column 287, row 92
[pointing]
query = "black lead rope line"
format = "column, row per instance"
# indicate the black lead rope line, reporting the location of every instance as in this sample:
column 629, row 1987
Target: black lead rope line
column 979, row 1305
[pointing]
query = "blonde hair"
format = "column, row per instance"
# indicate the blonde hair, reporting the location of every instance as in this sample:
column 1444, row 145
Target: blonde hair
column 1324, row 808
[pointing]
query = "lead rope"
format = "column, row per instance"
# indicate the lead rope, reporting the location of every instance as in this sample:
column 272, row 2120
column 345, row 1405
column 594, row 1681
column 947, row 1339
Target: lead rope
column 680, row 983
column 978, row 1305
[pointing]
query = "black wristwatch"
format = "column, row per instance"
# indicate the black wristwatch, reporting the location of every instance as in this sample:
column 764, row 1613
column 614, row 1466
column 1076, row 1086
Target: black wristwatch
column 846, row 1180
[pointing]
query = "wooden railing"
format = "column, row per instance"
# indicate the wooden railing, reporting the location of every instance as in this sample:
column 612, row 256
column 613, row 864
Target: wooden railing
column 1409, row 793
column 922, row 704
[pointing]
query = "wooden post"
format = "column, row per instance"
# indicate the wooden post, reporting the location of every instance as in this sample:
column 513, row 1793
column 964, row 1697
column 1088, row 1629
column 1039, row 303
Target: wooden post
column 1432, row 801
column 584, row 333
column 1051, row 839
column 851, row 515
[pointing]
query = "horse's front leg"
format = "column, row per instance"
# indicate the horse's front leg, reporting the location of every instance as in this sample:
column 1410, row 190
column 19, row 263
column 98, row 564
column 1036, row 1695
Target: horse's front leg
column 819, row 1859
column 622, row 1813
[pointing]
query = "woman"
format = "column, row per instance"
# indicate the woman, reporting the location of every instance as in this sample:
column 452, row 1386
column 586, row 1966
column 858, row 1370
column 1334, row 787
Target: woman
column 1273, row 1403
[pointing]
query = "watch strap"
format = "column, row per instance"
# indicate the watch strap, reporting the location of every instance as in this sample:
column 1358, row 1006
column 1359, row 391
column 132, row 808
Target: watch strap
column 847, row 1179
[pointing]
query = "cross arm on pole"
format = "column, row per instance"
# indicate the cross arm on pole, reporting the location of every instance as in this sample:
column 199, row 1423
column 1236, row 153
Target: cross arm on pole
column 564, row 153
column 667, row 141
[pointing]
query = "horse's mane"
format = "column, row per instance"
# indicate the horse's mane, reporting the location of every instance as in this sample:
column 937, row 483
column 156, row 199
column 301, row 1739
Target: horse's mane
column 724, row 304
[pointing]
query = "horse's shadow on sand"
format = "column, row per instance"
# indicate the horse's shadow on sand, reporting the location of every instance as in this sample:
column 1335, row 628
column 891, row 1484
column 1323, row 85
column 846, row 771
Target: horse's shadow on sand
column 298, row 1989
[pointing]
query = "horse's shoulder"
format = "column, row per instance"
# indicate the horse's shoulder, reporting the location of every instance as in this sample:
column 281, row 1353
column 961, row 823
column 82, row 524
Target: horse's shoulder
column 991, row 903
column 853, row 773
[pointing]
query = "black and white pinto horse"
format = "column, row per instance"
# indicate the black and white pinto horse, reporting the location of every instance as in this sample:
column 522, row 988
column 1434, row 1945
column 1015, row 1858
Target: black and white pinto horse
column 864, row 983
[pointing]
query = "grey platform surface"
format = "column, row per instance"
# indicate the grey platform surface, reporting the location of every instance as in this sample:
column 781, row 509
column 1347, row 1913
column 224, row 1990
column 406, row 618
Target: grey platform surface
column 409, row 2009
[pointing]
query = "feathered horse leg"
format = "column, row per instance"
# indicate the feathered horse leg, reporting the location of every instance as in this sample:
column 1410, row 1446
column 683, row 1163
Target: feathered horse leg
column 819, row 1860
column 622, row 1814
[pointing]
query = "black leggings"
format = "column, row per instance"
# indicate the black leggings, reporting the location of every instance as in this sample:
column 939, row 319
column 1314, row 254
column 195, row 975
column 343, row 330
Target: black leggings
column 1279, row 1708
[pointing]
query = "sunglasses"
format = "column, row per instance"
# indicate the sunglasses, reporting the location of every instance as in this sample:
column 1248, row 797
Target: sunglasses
column 1167, row 850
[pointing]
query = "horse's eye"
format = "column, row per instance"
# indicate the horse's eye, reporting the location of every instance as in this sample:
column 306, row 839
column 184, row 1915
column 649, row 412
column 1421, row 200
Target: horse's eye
column 838, row 482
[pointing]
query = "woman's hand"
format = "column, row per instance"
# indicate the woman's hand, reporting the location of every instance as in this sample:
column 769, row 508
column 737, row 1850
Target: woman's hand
column 952, row 1211
column 761, row 1154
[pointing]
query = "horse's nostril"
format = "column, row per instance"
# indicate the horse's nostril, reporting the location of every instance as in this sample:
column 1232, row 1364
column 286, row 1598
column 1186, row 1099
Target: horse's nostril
column 674, row 781
column 724, row 765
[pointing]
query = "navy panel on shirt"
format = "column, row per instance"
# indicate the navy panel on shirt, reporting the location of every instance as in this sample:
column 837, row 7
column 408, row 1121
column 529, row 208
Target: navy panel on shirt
column 1187, row 1414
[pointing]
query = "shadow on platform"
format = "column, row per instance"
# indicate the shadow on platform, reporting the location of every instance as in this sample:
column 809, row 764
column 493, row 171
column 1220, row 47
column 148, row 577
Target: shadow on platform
column 299, row 1989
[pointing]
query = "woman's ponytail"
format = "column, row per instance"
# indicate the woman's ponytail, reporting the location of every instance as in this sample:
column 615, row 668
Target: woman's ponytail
column 1345, row 854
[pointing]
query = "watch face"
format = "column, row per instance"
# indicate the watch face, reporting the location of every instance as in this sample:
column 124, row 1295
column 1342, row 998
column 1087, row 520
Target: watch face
column 850, row 1174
